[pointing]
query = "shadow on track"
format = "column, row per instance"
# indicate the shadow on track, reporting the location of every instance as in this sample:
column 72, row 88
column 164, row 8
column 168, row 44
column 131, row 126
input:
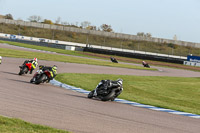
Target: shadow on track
column 11, row 73
column 85, row 97
column 20, row 81
column 77, row 96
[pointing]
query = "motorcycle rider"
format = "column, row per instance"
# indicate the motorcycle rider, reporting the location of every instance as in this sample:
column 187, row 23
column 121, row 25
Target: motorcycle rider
column 113, row 60
column 52, row 70
column 0, row 59
column 33, row 62
column 145, row 64
column 110, row 84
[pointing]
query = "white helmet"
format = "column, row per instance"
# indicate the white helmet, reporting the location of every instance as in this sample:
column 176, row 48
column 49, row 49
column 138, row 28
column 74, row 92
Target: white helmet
column 0, row 57
column 120, row 81
column 35, row 59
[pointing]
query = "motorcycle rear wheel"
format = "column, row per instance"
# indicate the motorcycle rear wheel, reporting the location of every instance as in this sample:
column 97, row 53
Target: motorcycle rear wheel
column 24, row 70
column 109, row 96
column 90, row 95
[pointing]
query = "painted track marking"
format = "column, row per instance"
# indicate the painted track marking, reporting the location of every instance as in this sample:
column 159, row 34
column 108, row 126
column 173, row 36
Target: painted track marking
column 69, row 87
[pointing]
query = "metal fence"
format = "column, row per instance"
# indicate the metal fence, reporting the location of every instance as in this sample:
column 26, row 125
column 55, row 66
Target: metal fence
column 99, row 33
column 93, row 48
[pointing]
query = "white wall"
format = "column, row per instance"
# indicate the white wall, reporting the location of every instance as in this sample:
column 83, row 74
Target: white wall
column 192, row 63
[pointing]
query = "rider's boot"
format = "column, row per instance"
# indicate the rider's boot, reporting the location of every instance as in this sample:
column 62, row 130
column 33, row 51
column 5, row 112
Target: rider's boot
column 31, row 71
column 95, row 93
column 48, row 80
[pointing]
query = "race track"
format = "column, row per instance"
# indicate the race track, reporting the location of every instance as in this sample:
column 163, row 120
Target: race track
column 64, row 109
column 81, row 68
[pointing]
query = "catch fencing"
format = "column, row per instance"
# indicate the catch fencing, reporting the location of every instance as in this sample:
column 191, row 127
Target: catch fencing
column 99, row 33
column 93, row 48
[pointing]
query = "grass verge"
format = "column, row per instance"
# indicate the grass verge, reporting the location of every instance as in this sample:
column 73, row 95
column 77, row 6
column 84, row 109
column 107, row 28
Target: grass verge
column 102, row 56
column 61, row 51
column 62, row 58
column 11, row 125
column 177, row 93
column 164, row 48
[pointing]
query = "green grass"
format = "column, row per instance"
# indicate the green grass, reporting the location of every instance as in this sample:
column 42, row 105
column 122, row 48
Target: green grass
column 8, row 125
column 176, row 93
column 169, row 92
column 61, row 58
column 100, row 56
column 164, row 48
column 62, row 51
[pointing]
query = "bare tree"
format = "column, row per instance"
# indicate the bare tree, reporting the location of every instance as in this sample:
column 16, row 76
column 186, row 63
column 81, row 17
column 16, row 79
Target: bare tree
column 85, row 24
column 35, row 18
column 58, row 20
column 77, row 24
column 8, row 16
column 148, row 35
column 39, row 19
column 175, row 38
column 65, row 23
column 91, row 28
column 19, row 19
column 107, row 28
column 141, row 34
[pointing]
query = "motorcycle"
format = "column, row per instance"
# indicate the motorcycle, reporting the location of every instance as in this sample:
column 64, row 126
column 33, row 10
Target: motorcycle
column 113, row 60
column 146, row 65
column 105, row 94
column 41, row 77
column 0, row 59
column 24, row 68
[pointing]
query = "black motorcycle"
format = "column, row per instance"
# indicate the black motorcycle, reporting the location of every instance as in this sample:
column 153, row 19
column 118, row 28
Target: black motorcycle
column 146, row 65
column 105, row 94
column 113, row 60
column 41, row 77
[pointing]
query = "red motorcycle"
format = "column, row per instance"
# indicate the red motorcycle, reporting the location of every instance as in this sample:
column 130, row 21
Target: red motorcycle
column 24, row 68
column 41, row 77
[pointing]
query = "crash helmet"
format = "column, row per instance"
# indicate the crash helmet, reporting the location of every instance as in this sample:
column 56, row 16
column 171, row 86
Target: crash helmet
column 35, row 59
column 54, row 67
column 41, row 67
column 120, row 81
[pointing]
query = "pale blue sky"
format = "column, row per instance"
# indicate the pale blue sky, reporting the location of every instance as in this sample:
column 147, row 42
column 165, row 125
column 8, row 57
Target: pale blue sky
column 161, row 18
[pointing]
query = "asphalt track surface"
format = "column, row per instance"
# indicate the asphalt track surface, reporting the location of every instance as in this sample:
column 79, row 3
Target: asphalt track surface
column 79, row 68
column 64, row 109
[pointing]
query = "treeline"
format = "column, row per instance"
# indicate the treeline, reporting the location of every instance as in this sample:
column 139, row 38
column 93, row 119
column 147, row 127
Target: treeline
column 165, row 48
column 84, row 24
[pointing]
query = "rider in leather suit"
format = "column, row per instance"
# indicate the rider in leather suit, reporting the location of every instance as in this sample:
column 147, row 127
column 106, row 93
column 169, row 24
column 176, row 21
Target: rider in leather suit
column 110, row 84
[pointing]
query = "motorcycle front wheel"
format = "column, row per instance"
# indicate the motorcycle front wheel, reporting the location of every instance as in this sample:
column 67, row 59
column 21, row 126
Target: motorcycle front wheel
column 40, row 79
